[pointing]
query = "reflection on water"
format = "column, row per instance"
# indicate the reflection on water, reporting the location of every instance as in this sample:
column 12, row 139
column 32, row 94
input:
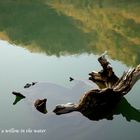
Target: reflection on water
column 18, row 66
column 126, row 110
column 65, row 28
column 42, row 90
column 54, row 93
column 19, row 97
column 59, row 27
column 123, row 108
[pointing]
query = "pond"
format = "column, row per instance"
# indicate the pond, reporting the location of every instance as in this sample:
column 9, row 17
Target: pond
column 48, row 41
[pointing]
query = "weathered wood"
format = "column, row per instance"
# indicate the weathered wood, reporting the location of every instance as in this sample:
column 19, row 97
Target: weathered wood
column 106, row 77
column 40, row 105
column 99, row 103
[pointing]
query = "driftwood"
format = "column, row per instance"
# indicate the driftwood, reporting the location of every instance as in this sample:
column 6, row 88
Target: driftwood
column 100, row 103
column 40, row 105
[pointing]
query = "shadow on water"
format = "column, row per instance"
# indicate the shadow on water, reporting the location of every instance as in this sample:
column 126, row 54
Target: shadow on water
column 58, row 27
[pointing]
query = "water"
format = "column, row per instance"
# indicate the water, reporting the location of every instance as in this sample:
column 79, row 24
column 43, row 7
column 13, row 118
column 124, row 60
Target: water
column 49, row 41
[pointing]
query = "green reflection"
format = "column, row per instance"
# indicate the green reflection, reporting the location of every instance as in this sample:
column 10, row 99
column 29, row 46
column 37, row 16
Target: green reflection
column 40, row 28
column 126, row 110
column 18, row 96
column 58, row 27
column 123, row 108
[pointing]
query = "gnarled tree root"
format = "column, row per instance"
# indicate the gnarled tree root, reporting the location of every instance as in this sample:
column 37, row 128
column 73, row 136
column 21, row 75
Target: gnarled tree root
column 98, row 103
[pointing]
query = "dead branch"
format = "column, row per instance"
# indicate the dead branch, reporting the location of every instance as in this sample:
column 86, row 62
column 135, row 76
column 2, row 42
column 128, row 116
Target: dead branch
column 99, row 103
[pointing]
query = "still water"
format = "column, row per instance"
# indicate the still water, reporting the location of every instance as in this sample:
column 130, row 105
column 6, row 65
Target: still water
column 48, row 41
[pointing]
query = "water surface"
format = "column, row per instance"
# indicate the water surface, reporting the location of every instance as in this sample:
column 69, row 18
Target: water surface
column 50, row 40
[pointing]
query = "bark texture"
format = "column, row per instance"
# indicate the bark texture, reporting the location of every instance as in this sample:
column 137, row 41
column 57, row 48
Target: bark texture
column 99, row 103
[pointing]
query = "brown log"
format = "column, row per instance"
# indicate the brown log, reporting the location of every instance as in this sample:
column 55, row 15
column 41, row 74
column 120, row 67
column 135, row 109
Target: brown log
column 99, row 103
column 106, row 77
